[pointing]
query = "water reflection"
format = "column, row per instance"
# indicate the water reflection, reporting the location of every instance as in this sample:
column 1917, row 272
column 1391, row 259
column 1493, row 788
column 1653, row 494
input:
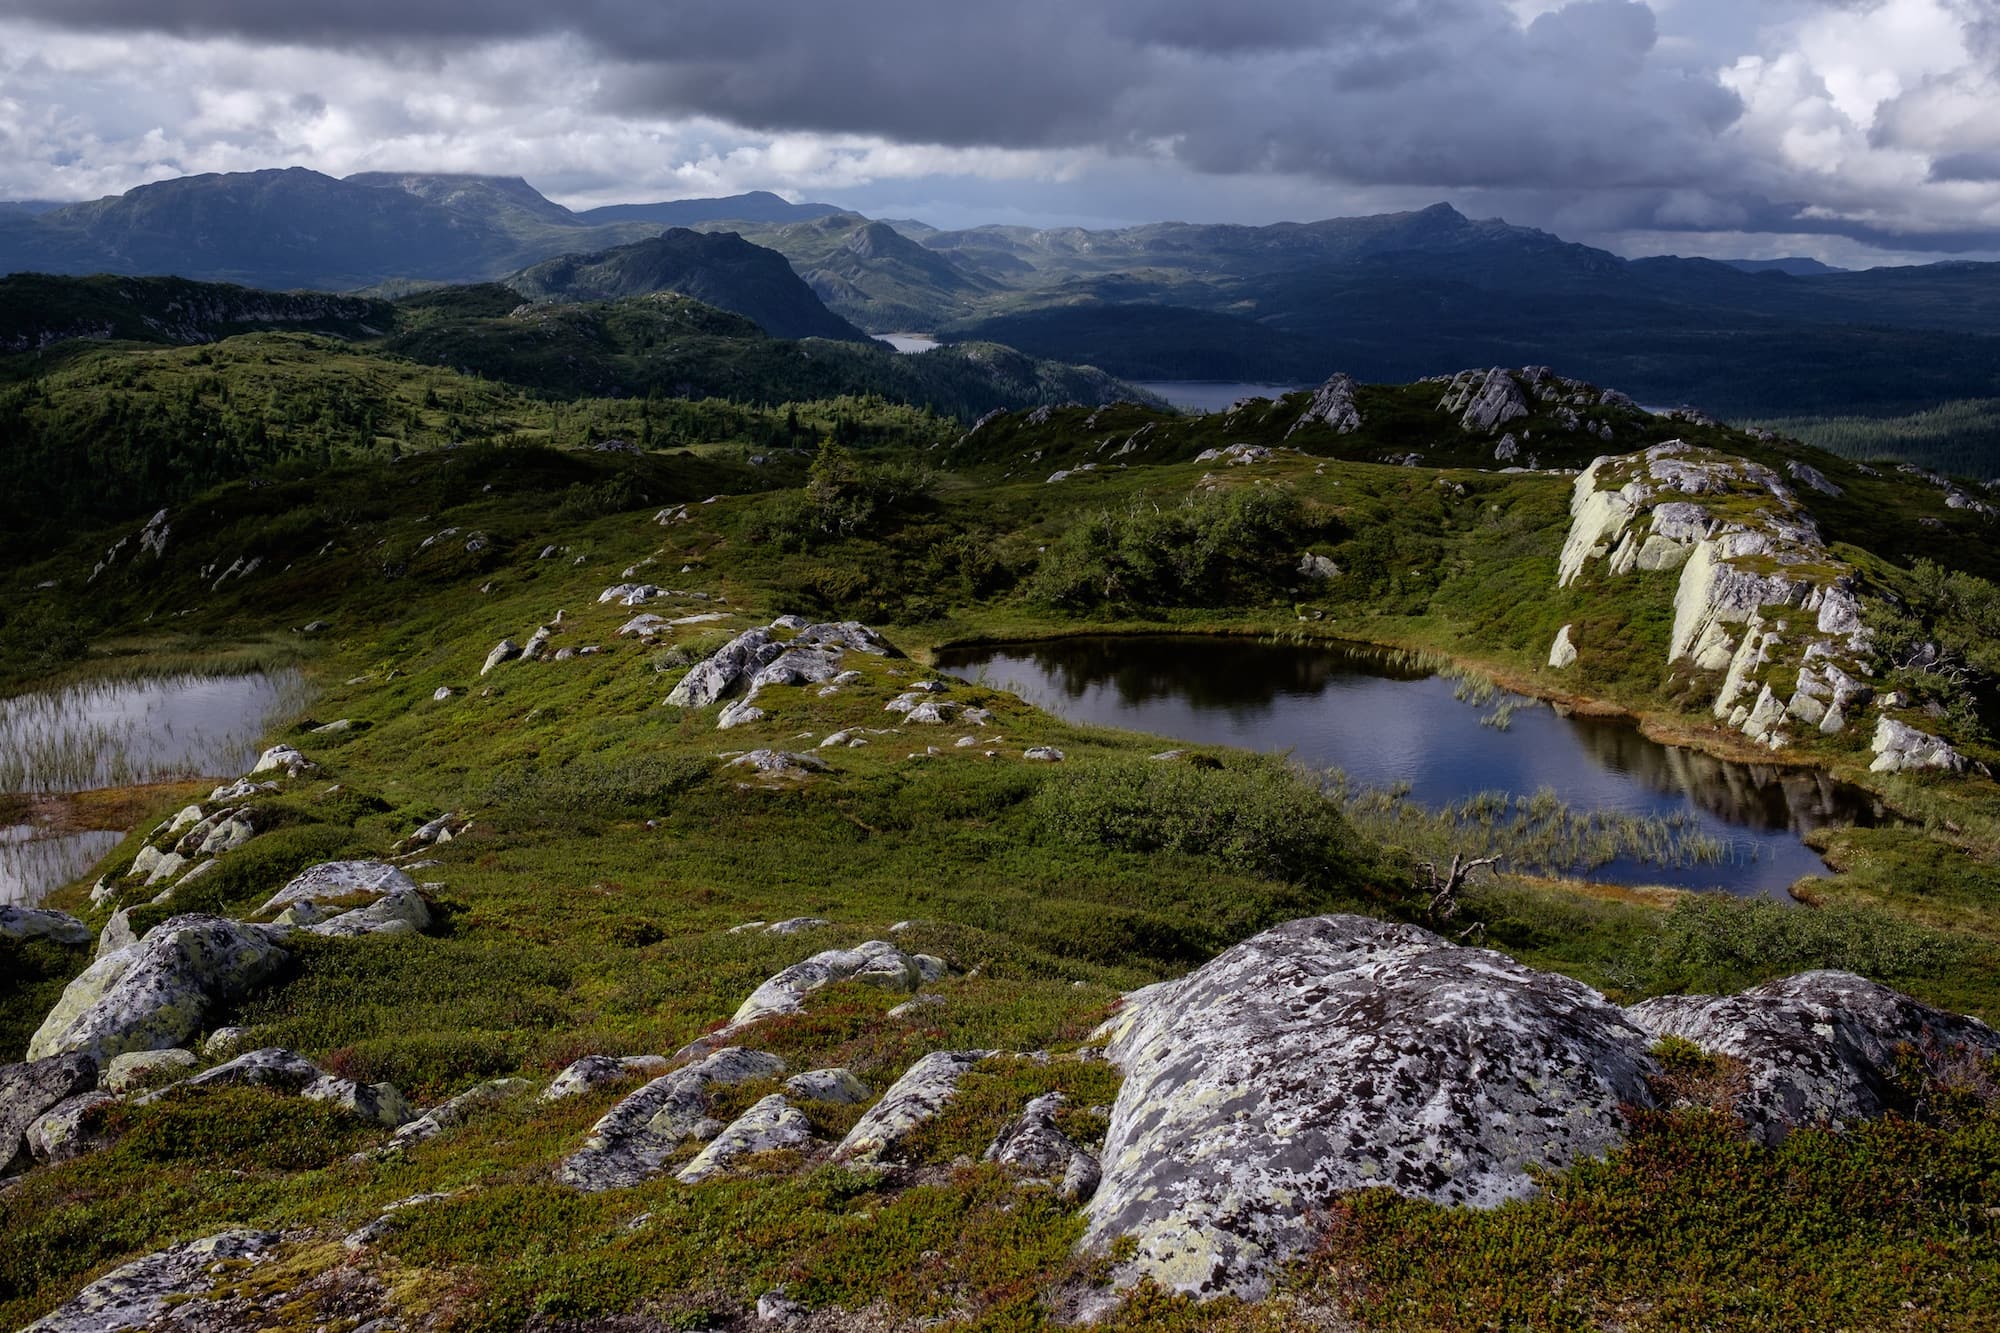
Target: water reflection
column 121, row 733
column 32, row 862
column 1387, row 721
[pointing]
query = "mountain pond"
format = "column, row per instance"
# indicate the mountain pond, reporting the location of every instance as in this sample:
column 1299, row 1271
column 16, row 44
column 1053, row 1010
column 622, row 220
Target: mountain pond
column 1600, row 800
column 119, row 733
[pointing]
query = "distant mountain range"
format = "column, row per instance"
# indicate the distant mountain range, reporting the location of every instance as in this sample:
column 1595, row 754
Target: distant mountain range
column 1386, row 298
column 298, row 228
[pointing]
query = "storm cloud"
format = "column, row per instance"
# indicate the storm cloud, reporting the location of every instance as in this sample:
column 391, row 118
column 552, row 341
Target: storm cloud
column 1874, row 120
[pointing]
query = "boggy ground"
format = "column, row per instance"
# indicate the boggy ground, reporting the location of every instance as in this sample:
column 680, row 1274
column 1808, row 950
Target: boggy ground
column 588, row 909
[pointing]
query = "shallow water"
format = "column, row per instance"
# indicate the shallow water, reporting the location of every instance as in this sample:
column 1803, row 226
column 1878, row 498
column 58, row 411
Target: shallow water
column 120, row 734
column 1211, row 395
column 1385, row 725
column 908, row 342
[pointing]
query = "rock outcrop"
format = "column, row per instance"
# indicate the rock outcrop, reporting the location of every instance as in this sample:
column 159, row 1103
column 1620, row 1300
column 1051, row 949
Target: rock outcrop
column 1339, row 1053
column 1759, row 595
column 912, row 1100
column 876, row 963
column 28, row 923
column 1815, row 1048
column 156, row 993
column 28, row 1091
column 1484, row 401
column 634, row 1139
column 140, row 1294
column 770, row 1125
column 755, row 659
column 1036, row 1146
column 1332, row 406
column 1899, row 748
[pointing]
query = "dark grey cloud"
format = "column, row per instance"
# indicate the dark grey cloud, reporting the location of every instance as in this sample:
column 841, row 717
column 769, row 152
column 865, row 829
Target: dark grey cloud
column 1976, row 166
column 1446, row 92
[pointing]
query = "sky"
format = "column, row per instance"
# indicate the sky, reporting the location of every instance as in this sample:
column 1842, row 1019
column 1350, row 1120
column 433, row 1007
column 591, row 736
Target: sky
column 1855, row 131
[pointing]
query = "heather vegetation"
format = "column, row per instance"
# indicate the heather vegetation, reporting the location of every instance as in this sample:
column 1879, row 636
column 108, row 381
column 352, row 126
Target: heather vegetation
column 605, row 848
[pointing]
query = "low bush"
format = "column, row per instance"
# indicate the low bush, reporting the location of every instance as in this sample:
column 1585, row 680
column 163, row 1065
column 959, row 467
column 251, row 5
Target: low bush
column 1718, row 944
column 1257, row 815
column 1213, row 548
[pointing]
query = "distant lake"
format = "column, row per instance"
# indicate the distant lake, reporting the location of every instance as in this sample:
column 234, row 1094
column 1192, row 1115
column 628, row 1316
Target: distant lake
column 1212, row 395
column 1387, row 724
column 908, row 342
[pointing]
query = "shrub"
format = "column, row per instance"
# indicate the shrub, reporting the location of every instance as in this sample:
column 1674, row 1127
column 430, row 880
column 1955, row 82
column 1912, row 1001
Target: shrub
column 1211, row 549
column 1258, row 815
column 1715, row 943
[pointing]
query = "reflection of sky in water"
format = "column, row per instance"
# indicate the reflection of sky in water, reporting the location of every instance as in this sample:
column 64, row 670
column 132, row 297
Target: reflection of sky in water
column 117, row 733
column 30, row 866
column 1334, row 708
column 1211, row 395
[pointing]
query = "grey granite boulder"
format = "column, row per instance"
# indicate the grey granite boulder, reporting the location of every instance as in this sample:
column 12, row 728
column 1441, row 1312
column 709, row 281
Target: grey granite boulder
column 634, row 1139
column 60, row 1133
column 837, row 1086
column 770, row 1125
column 877, row 963
column 1338, row 1053
column 594, row 1071
column 723, row 669
column 912, row 1100
column 135, row 1070
column 29, row 923
column 157, row 992
column 28, row 1091
column 378, row 1103
column 140, row 1294
column 1332, row 406
column 268, row 1067
column 452, row 1114
column 339, row 879
column 1816, row 1048
column 403, row 912
column 1035, row 1146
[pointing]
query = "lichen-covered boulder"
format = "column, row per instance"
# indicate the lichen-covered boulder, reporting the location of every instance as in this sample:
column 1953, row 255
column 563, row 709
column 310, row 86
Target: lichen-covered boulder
column 451, row 1114
column 837, row 1086
column 28, row 1091
column 1034, row 1145
column 1337, row 1053
column 339, row 879
column 1816, row 1048
column 156, row 993
column 267, row 1067
column 720, row 672
column 28, row 923
column 60, row 1132
column 137, row 1069
column 403, row 912
column 634, row 1139
column 594, row 1071
column 912, row 1100
column 140, row 1294
column 284, row 759
column 877, row 963
column 770, row 1125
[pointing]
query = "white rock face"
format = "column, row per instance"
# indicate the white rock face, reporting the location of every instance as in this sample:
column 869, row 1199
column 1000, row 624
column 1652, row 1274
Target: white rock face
column 1815, row 1047
column 1332, row 406
column 403, row 912
column 1900, row 748
column 772, row 1124
column 155, row 993
column 284, row 759
column 139, row 1294
column 1749, row 557
column 755, row 659
column 877, row 963
column 911, row 1100
column 28, row 923
column 1562, row 653
column 1340, row 1053
column 504, row 651
column 1484, row 401
column 633, row 1141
